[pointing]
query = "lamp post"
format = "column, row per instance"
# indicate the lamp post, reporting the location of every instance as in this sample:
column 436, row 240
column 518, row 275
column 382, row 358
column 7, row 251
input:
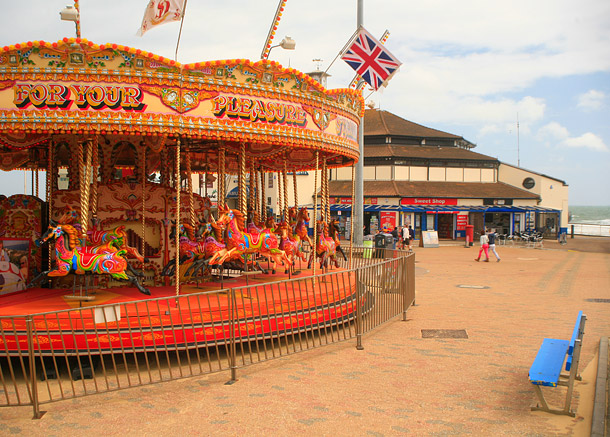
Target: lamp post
column 70, row 13
column 358, row 207
column 287, row 44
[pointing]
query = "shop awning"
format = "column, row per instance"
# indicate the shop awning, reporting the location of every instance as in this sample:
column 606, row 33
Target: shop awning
column 448, row 208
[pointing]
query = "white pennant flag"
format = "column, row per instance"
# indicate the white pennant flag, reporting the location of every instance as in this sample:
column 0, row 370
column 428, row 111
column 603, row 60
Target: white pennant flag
column 160, row 12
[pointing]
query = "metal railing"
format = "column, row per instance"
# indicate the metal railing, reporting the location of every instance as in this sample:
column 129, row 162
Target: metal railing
column 53, row 356
column 596, row 230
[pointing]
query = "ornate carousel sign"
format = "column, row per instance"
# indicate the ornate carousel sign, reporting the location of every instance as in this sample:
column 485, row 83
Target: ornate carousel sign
column 76, row 86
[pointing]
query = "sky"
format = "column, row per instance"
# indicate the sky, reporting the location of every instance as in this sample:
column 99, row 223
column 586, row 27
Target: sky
column 527, row 81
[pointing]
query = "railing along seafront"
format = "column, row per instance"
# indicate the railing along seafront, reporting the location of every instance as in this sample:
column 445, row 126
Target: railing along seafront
column 199, row 333
column 589, row 229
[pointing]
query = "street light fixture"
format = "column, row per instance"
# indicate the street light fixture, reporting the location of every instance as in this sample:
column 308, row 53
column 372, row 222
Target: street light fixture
column 287, row 44
column 69, row 13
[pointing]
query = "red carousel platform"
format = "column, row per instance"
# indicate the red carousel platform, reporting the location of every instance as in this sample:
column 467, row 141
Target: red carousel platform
column 264, row 306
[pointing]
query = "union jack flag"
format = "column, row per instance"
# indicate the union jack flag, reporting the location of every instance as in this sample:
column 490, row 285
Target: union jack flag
column 370, row 59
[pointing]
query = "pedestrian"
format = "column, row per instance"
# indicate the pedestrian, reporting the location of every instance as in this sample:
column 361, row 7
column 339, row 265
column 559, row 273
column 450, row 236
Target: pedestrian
column 395, row 234
column 484, row 240
column 405, row 237
column 492, row 243
column 411, row 237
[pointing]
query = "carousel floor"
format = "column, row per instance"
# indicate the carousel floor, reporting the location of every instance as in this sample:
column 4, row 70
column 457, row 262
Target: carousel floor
column 135, row 321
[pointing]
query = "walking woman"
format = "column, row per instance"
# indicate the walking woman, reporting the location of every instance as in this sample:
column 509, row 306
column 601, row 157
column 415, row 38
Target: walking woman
column 484, row 246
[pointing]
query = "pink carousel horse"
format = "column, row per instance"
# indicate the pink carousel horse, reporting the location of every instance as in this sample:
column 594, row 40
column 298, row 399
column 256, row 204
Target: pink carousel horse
column 325, row 248
column 289, row 244
column 300, row 228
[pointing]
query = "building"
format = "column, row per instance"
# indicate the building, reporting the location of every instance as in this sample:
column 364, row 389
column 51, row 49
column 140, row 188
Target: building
column 433, row 180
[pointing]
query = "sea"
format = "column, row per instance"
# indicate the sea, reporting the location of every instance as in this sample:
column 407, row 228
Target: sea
column 594, row 215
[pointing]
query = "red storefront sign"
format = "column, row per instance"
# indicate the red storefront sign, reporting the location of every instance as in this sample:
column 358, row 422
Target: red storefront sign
column 427, row 201
column 387, row 220
column 461, row 222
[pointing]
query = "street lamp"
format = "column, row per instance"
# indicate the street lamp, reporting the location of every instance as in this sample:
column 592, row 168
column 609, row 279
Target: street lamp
column 70, row 13
column 287, row 44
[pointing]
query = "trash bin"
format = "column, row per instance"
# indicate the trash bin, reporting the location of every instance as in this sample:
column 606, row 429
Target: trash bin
column 380, row 244
column 469, row 235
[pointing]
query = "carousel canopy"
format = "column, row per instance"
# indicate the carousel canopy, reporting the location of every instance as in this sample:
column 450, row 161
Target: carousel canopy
column 68, row 92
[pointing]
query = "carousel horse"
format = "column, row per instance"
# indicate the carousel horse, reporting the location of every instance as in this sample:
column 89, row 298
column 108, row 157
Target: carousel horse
column 239, row 242
column 334, row 234
column 117, row 237
column 325, row 247
column 289, row 244
column 300, row 228
column 196, row 253
column 70, row 257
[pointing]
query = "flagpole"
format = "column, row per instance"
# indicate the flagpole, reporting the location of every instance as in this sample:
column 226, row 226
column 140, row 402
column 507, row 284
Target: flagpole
column 180, row 33
column 358, row 206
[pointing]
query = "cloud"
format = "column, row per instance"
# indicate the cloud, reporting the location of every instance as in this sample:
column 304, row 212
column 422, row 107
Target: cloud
column 588, row 140
column 555, row 134
column 591, row 100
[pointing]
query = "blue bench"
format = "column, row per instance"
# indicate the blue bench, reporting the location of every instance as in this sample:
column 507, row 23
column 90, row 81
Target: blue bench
column 547, row 367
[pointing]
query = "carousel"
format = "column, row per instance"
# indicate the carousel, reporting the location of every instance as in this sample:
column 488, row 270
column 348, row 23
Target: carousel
column 121, row 137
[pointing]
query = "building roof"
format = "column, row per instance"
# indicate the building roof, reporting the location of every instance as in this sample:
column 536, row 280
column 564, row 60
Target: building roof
column 384, row 123
column 458, row 190
column 424, row 152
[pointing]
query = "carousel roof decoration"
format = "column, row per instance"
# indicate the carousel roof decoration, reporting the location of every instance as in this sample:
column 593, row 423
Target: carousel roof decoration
column 76, row 87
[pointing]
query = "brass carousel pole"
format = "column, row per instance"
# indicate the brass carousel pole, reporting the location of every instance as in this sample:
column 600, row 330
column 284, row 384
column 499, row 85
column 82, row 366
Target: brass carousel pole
column 280, row 193
column 242, row 179
column 251, row 197
column 315, row 218
column 256, row 193
column 95, row 162
column 285, row 176
column 49, row 188
column 221, row 177
column 177, row 182
column 86, row 189
column 143, row 176
column 296, row 192
column 189, row 184
column 327, row 194
column 263, row 197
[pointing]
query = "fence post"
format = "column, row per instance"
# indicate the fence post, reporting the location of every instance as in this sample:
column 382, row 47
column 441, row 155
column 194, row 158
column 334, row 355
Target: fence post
column 32, row 364
column 359, row 310
column 404, row 287
column 232, row 358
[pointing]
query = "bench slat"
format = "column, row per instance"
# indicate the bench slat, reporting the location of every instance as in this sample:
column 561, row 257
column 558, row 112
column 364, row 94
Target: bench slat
column 576, row 334
column 547, row 366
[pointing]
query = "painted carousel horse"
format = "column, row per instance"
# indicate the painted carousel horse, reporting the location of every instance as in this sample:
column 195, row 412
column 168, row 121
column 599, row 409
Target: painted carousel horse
column 325, row 248
column 334, row 234
column 239, row 242
column 117, row 237
column 70, row 257
column 289, row 244
column 196, row 253
column 300, row 228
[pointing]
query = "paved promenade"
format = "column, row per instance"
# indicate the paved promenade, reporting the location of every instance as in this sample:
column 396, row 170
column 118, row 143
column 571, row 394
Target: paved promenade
column 400, row 383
